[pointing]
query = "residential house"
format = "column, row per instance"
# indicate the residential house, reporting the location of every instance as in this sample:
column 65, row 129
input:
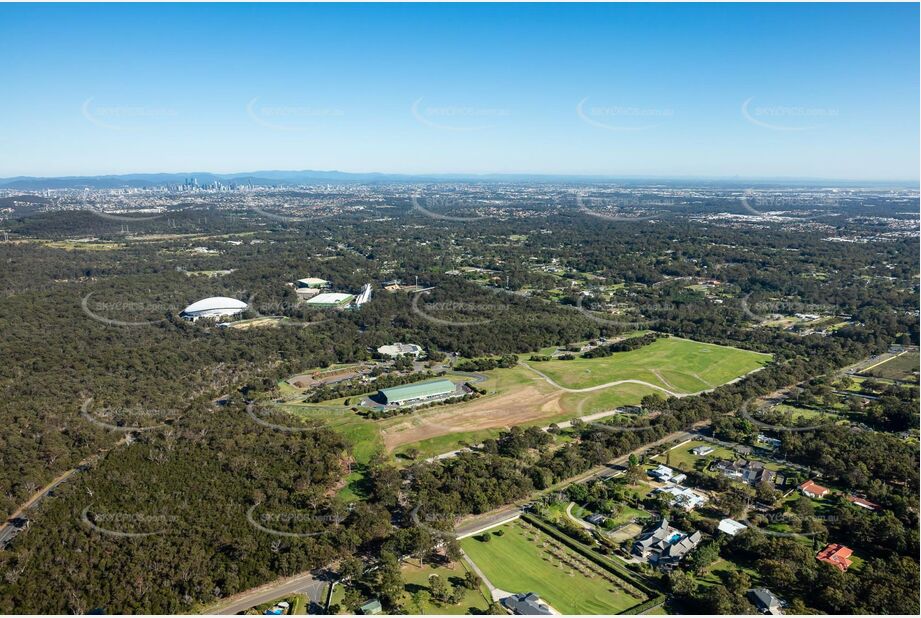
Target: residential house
column 682, row 497
column 766, row 601
column 702, row 450
column 731, row 527
column 664, row 545
column 836, row 555
column 597, row 519
column 526, row 604
column 662, row 473
column 371, row 607
column 811, row 489
column 774, row 442
column 678, row 550
column 863, row 502
column 746, row 470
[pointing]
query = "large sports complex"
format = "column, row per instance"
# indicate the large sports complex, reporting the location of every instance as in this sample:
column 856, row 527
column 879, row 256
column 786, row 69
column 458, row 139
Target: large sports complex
column 412, row 394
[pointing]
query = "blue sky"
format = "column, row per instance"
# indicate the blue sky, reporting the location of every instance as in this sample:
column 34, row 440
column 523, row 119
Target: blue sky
column 821, row 91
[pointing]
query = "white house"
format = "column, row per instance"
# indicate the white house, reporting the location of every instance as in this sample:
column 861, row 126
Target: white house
column 662, row 473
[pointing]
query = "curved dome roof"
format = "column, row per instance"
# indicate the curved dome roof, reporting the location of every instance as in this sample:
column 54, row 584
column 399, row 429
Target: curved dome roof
column 215, row 303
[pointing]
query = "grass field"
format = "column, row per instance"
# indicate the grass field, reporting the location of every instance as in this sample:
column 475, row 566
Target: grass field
column 682, row 458
column 679, row 365
column 898, row 368
column 519, row 396
column 417, row 578
column 525, row 560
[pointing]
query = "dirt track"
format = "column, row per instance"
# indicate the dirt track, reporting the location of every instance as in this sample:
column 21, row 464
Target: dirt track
column 520, row 406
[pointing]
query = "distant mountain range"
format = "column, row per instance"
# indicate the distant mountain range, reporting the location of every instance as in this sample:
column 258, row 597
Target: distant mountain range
column 305, row 177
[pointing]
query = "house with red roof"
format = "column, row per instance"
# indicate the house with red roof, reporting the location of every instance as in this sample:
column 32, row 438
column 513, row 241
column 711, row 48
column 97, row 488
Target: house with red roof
column 836, row 555
column 863, row 502
column 811, row 489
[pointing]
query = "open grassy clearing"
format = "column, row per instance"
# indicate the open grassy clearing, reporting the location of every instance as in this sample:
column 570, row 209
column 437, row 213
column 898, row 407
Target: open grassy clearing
column 902, row 367
column 416, row 578
column 679, row 365
column 518, row 396
column 683, row 459
column 524, row 559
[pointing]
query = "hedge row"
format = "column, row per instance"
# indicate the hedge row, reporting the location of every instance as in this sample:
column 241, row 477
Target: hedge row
column 620, row 570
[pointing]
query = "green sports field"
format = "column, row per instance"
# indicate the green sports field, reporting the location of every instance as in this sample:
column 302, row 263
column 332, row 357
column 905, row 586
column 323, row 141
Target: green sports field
column 679, row 365
column 524, row 559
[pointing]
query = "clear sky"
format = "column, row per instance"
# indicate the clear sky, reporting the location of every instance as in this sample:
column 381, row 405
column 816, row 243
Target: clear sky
column 822, row 91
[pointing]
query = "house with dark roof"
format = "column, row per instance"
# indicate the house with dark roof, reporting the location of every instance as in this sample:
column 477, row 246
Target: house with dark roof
column 836, row 555
column 746, row 470
column 597, row 519
column 526, row 604
column 664, row 545
column 766, row 601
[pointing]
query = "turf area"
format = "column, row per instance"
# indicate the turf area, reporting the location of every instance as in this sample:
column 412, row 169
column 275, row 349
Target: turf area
column 526, row 560
column 417, row 578
column 682, row 458
column 679, row 365
column 902, row 367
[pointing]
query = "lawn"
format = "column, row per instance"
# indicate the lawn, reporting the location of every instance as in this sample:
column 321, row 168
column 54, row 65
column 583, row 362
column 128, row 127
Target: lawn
column 676, row 364
column 417, row 578
column 897, row 368
column 682, row 458
column 711, row 577
column 525, row 560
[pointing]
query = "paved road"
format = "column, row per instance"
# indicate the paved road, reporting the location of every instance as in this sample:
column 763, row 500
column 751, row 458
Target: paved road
column 611, row 469
column 314, row 586
column 9, row 529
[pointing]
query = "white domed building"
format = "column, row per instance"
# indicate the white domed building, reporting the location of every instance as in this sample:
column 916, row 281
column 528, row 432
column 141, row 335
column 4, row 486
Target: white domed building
column 214, row 307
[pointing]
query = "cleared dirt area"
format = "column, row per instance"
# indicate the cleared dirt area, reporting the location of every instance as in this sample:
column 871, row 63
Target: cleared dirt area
column 528, row 403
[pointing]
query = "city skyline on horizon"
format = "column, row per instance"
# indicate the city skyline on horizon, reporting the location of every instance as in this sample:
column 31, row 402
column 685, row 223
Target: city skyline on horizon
column 779, row 92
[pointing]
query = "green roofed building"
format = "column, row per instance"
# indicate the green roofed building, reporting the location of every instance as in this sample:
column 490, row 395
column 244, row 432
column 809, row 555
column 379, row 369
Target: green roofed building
column 417, row 393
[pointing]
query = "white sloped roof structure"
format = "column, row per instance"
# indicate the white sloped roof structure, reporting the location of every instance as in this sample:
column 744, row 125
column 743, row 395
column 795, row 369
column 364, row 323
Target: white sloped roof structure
column 216, row 305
